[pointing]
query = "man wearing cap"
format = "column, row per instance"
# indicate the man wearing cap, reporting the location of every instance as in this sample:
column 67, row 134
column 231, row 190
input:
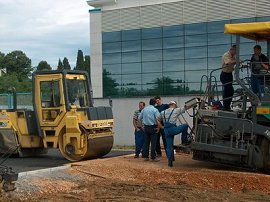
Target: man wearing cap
column 226, row 76
column 150, row 117
column 169, row 118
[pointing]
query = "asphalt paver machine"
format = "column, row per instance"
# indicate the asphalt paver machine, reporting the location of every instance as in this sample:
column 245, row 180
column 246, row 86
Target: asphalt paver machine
column 240, row 137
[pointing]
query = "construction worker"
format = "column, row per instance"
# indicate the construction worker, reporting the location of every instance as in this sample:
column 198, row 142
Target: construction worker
column 160, row 107
column 260, row 65
column 169, row 118
column 226, row 77
column 150, row 117
column 139, row 133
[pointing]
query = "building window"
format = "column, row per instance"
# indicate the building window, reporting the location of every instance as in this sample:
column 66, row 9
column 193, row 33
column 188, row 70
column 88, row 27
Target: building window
column 167, row 60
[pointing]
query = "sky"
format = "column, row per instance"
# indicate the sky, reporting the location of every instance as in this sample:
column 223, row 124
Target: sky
column 45, row 29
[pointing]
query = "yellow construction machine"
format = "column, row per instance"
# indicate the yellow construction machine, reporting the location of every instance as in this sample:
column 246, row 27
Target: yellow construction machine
column 63, row 117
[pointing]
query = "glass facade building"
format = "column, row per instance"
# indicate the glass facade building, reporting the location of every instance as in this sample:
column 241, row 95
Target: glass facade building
column 166, row 60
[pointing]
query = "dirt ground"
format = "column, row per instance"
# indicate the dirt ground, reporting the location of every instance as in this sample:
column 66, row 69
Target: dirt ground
column 128, row 179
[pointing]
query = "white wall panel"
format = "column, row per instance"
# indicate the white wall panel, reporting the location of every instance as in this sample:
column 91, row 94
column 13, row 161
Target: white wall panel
column 262, row 8
column 242, row 9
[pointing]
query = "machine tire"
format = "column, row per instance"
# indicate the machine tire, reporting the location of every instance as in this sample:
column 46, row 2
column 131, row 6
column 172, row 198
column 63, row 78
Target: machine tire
column 265, row 148
column 66, row 154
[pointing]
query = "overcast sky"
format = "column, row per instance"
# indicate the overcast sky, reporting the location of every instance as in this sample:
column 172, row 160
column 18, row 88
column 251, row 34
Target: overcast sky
column 45, row 29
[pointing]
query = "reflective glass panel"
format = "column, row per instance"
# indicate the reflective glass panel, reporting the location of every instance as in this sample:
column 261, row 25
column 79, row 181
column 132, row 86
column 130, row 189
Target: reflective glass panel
column 196, row 52
column 149, row 33
column 131, row 79
column 131, row 46
column 196, row 28
column 111, row 47
column 173, row 65
column 194, row 76
column 155, row 55
column 173, row 42
column 113, row 68
column 111, row 58
column 151, row 44
column 131, row 68
column 173, row 53
column 243, row 20
column 151, row 67
column 219, row 38
column 176, row 77
column 116, row 78
column 216, row 26
column 217, row 50
column 128, row 35
column 128, row 57
column 111, row 36
column 151, row 78
column 214, row 63
column 247, row 49
column 176, row 30
column 263, row 19
column 196, row 64
column 196, row 40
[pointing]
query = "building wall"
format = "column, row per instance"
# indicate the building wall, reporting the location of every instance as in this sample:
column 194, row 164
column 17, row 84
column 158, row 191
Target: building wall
column 164, row 47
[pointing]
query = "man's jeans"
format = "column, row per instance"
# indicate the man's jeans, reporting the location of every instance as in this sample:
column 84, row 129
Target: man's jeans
column 139, row 140
column 158, row 149
column 150, row 136
column 170, row 133
column 256, row 85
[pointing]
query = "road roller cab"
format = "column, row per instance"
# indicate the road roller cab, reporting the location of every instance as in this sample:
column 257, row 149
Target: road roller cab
column 63, row 117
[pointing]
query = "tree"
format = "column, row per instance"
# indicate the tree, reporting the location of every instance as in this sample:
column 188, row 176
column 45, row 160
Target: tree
column 80, row 61
column 87, row 64
column 8, row 81
column 109, row 85
column 66, row 64
column 2, row 56
column 60, row 65
column 43, row 66
column 17, row 62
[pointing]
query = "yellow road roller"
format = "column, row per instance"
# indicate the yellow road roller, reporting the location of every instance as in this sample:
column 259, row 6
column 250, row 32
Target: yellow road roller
column 63, row 117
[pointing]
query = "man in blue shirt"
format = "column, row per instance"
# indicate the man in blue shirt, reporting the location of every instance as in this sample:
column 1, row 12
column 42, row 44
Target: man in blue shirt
column 150, row 118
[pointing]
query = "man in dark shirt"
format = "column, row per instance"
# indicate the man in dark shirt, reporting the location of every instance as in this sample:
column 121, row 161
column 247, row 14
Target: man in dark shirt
column 259, row 64
column 160, row 107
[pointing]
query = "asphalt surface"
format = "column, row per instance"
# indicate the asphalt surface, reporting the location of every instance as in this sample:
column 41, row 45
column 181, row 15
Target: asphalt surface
column 52, row 159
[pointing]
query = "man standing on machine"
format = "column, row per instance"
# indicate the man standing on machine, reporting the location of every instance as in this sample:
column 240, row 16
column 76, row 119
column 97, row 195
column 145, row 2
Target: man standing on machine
column 226, row 77
column 260, row 66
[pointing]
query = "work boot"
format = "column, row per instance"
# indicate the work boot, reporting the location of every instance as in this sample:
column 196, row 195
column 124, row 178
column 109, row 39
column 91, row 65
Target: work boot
column 155, row 160
column 170, row 164
column 146, row 159
column 136, row 156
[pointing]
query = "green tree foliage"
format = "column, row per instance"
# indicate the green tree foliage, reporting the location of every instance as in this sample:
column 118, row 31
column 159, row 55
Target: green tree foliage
column 43, row 66
column 80, row 61
column 18, row 63
column 60, row 65
column 87, row 64
column 109, row 85
column 2, row 56
column 66, row 64
column 8, row 81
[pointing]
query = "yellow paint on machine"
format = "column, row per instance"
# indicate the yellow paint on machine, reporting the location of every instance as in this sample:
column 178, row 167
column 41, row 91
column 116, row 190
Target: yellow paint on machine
column 263, row 110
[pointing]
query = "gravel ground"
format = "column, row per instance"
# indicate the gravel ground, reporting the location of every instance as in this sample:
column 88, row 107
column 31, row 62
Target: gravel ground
column 127, row 179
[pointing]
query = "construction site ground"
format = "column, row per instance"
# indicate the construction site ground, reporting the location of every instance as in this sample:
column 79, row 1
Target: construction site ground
column 125, row 178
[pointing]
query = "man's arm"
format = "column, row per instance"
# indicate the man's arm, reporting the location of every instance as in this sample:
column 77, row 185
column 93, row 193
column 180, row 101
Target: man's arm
column 265, row 62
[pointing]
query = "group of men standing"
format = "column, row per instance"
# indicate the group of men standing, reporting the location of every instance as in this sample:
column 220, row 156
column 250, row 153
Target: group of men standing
column 155, row 121
column 259, row 64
